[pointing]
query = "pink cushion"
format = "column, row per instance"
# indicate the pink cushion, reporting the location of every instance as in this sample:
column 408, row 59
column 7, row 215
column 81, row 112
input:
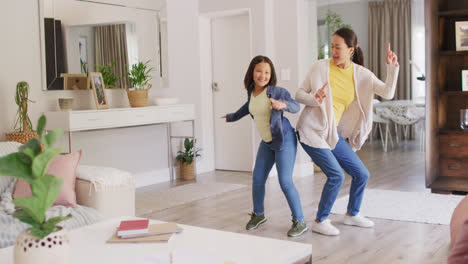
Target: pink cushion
column 460, row 214
column 459, row 254
column 62, row 166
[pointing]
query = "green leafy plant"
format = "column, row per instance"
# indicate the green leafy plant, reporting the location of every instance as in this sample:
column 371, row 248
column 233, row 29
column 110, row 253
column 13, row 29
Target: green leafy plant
column 334, row 22
column 22, row 122
column 189, row 152
column 139, row 75
column 84, row 67
column 108, row 75
column 30, row 163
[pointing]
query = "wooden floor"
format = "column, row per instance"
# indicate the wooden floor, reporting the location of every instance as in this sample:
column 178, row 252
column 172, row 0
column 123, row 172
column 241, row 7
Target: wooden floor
column 400, row 169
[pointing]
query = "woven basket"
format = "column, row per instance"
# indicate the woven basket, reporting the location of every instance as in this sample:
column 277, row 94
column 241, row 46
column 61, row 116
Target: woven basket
column 187, row 171
column 22, row 137
column 138, row 98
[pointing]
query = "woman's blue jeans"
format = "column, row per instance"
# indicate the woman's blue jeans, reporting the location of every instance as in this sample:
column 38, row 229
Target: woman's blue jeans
column 332, row 163
column 284, row 159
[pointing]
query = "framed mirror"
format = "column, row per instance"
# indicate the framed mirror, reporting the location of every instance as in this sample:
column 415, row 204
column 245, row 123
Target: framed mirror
column 79, row 37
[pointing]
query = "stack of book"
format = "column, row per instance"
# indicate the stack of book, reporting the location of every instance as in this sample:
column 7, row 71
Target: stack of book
column 134, row 231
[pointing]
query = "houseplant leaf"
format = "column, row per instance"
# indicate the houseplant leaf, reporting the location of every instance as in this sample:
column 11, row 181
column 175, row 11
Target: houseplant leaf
column 52, row 137
column 41, row 161
column 46, row 189
column 25, row 218
column 13, row 165
column 32, row 206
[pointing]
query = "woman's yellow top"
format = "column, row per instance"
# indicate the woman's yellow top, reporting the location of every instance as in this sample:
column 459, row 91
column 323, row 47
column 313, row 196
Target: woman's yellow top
column 259, row 107
column 342, row 88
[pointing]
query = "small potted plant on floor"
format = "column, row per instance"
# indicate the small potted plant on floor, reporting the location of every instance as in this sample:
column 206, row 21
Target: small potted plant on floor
column 44, row 241
column 139, row 77
column 186, row 158
column 23, row 130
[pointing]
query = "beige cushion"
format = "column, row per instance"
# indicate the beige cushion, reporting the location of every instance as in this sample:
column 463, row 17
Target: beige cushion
column 111, row 202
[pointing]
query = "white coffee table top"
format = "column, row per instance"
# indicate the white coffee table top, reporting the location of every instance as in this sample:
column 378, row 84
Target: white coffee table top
column 193, row 245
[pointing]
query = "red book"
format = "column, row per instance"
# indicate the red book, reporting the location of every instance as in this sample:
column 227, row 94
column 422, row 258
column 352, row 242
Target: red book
column 133, row 227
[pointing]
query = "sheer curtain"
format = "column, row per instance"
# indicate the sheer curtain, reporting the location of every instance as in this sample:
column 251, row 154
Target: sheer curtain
column 390, row 22
column 111, row 45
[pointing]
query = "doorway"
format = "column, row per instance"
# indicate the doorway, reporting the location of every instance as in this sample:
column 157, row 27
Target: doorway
column 226, row 57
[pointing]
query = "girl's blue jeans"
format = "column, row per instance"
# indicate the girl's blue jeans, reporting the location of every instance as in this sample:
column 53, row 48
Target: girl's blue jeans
column 284, row 159
column 332, row 163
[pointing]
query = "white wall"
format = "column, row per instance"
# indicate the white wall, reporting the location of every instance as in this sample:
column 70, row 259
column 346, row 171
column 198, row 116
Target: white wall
column 140, row 150
column 354, row 13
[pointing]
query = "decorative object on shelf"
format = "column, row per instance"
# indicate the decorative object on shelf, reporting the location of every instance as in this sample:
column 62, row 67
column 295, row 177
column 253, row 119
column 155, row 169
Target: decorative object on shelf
column 65, row 104
column 461, row 35
column 139, row 77
column 97, row 83
column 108, row 75
column 165, row 101
column 464, row 119
column 23, row 127
column 186, row 158
column 44, row 241
column 465, row 80
column 75, row 81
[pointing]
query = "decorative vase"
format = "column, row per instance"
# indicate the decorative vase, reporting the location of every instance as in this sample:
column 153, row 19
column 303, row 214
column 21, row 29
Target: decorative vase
column 54, row 248
column 187, row 171
column 21, row 137
column 138, row 98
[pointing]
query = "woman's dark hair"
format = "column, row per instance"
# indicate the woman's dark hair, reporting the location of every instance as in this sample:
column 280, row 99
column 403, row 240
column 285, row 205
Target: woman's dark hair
column 248, row 79
column 350, row 39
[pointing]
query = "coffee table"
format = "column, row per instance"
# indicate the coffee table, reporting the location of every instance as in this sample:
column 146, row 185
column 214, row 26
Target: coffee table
column 193, row 245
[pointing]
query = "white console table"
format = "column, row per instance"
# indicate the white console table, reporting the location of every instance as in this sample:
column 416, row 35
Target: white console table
column 85, row 120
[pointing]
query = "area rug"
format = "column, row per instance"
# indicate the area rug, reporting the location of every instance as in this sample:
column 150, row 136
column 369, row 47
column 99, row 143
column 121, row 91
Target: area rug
column 421, row 207
column 160, row 200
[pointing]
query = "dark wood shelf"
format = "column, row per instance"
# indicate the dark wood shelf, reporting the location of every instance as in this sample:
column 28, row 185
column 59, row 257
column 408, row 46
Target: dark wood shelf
column 454, row 93
column 444, row 131
column 452, row 53
column 458, row 12
column 449, row 184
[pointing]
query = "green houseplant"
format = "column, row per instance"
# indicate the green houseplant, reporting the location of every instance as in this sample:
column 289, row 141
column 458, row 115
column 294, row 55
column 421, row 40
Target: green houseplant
column 333, row 21
column 186, row 158
column 108, row 75
column 23, row 130
column 139, row 77
column 30, row 164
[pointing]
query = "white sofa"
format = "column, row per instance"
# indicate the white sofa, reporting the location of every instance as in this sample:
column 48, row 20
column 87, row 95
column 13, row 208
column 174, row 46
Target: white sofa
column 101, row 193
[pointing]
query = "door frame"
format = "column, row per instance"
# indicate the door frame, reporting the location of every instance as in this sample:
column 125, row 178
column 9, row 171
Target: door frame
column 206, row 75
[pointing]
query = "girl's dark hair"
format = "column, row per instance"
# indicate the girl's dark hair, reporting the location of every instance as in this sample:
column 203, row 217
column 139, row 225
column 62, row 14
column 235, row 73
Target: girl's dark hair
column 351, row 40
column 248, row 79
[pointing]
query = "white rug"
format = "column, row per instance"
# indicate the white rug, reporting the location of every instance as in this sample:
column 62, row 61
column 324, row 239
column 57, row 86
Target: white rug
column 418, row 207
column 160, row 200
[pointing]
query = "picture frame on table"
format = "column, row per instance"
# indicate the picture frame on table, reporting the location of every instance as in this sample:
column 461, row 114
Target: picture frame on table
column 97, row 84
column 465, row 80
column 461, row 35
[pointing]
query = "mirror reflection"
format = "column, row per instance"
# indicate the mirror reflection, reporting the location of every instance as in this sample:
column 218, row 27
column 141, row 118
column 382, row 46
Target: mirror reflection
column 82, row 37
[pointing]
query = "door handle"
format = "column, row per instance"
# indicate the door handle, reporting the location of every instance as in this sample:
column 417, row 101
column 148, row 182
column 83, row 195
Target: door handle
column 214, row 87
column 454, row 144
column 453, row 167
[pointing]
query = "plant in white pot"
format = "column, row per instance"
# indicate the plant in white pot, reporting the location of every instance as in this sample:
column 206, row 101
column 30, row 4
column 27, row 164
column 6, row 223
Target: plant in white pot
column 186, row 158
column 139, row 77
column 44, row 241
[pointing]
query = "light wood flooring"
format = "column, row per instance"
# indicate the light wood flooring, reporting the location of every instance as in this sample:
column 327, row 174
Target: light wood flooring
column 401, row 168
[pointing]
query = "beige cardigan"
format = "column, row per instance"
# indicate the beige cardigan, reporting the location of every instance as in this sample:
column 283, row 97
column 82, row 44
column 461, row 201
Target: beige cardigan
column 316, row 124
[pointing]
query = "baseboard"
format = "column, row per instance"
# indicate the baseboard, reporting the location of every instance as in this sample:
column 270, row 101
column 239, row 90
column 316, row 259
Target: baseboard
column 152, row 177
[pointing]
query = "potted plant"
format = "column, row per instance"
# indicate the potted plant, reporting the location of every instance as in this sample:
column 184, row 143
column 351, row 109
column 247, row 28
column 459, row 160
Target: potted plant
column 108, row 75
column 139, row 77
column 44, row 241
column 186, row 158
column 23, row 130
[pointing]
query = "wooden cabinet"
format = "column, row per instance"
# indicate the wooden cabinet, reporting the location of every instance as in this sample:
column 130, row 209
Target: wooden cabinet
column 446, row 142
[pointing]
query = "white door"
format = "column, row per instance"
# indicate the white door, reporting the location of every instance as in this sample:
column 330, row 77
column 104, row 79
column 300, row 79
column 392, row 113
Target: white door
column 230, row 60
